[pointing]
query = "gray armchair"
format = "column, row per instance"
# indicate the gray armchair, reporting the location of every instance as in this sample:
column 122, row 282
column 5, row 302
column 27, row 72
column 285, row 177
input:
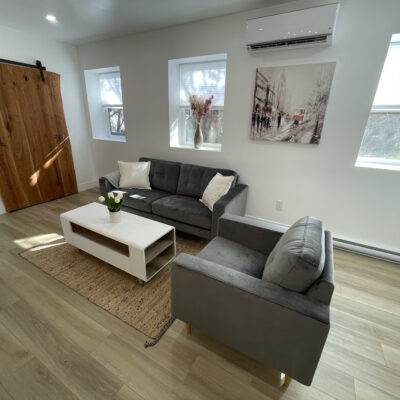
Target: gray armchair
column 224, row 293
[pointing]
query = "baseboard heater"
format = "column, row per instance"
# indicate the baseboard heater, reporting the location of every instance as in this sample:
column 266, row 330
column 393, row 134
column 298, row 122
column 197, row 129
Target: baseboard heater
column 353, row 247
column 371, row 251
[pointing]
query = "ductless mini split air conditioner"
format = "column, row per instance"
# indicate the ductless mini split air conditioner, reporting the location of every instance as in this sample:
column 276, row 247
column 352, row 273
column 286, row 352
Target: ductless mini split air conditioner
column 305, row 28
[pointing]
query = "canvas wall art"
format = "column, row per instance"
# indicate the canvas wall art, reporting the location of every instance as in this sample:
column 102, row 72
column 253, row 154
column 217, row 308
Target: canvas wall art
column 290, row 102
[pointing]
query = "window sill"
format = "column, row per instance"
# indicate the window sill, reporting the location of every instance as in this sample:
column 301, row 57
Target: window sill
column 215, row 149
column 378, row 163
column 109, row 139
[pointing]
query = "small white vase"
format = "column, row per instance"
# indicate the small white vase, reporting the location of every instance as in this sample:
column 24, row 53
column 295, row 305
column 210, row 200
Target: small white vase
column 115, row 217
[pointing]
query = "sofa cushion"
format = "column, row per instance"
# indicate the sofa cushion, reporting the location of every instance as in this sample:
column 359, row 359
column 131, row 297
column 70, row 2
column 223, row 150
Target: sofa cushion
column 298, row 258
column 235, row 256
column 164, row 175
column 141, row 199
column 184, row 209
column 193, row 179
column 134, row 175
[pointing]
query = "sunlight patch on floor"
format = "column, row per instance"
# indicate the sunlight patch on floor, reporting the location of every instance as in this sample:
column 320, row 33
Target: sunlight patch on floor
column 28, row 242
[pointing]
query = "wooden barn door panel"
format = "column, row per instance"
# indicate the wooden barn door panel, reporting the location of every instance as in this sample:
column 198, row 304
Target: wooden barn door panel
column 35, row 152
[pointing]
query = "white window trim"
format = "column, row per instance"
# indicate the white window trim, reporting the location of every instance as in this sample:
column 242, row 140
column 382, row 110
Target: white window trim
column 385, row 109
column 177, row 139
column 99, row 120
column 376, row 162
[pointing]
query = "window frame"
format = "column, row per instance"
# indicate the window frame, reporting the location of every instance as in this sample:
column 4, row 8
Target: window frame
column 176, row 110
column 380, row 162
column 106, row 107
column 98, row 109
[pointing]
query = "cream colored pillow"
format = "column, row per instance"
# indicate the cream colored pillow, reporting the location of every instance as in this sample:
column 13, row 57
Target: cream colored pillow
column 218, row 187
column 134, row 175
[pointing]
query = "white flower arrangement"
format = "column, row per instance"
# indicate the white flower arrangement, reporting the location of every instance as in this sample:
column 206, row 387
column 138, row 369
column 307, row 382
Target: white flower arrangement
column 114, row 202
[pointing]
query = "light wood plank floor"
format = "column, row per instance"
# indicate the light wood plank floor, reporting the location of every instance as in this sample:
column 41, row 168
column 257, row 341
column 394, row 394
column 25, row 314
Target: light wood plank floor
column 54, row 344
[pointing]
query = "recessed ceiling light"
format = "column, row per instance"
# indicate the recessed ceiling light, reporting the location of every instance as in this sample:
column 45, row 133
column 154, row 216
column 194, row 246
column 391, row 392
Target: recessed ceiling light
column 51, row 18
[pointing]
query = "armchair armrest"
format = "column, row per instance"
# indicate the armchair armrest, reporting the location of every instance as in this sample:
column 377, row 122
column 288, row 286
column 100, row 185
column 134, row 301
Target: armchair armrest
column 233, row 202
column 109, row 182
column 262, row 289
column 283, row 329
column 250, row 232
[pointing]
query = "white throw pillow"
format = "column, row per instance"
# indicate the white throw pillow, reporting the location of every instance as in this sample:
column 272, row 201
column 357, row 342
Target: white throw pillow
column 134, row 175
column 218, row 187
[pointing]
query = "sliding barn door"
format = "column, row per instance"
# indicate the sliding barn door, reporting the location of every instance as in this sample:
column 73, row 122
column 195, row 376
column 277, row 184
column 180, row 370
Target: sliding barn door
column 35, row 152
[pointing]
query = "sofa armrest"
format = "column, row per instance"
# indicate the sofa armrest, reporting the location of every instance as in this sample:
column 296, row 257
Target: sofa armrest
column 109, row 182
column 233, row 202
column 283, row 329
column 250, row 232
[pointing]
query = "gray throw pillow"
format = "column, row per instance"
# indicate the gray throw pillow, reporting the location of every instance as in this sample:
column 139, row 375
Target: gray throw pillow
column 298, row 259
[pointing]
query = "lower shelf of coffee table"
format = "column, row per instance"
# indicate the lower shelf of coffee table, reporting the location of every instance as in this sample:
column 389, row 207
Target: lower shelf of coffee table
column 159, row 254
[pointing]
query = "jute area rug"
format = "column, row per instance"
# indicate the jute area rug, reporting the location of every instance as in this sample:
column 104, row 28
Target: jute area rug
column 145, row 306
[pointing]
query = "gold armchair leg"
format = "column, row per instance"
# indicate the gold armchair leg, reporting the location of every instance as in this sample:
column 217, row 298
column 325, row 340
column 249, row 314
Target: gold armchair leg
column 288, row 379
column 188, row 329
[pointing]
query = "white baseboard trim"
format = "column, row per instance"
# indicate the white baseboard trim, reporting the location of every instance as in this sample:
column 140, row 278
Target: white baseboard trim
column 87, row 185
column 366, row 250
column 353, row 247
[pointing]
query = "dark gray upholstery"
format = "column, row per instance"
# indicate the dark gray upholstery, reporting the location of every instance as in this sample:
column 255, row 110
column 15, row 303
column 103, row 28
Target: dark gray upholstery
column 109, row 182
column 141, row 199
column 234, row 202
column 284, row 329
column 163, row 175
column 186, row 213
column 234, row 255
column 298, row 259
column 193, row 179
column 180, row 226
column 323, row 288
column 184, row 209
column 250, row 232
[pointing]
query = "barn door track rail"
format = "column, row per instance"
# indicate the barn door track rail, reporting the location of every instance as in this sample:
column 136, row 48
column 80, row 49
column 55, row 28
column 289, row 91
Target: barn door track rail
column 38, row 66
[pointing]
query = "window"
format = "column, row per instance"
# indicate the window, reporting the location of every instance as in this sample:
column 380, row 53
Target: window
column 104, row 94
column 205, row 77
column 111, row 99
column 380, row 147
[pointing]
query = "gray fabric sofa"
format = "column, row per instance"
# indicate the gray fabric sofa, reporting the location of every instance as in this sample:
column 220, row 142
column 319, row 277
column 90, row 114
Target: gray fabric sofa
column 224, row 293
column 175, row 194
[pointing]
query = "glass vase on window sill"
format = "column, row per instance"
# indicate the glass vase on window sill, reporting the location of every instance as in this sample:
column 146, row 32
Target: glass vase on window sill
column 198, row 135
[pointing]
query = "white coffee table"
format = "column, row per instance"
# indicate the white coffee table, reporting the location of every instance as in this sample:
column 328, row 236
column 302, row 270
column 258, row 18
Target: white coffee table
column 139, row 246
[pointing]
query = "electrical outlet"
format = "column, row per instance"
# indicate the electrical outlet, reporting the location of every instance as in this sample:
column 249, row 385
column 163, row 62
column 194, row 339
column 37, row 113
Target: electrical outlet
column 279, row 205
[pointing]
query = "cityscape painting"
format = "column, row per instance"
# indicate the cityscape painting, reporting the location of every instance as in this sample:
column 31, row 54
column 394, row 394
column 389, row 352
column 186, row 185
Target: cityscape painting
column 290, row 102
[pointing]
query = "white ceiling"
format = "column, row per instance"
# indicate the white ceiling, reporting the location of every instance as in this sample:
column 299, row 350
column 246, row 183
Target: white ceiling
column 82, row 21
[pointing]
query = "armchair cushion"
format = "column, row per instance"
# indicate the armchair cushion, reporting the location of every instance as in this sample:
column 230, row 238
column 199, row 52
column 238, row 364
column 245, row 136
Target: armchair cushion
column 235, row 256
column 298, row 259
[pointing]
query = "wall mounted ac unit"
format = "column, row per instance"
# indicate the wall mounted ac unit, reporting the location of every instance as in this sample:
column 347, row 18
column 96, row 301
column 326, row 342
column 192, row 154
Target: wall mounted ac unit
column 305, row 28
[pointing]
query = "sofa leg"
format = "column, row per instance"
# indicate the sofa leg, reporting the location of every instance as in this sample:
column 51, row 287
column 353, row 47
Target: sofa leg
column 288, row 379
column 188, row 329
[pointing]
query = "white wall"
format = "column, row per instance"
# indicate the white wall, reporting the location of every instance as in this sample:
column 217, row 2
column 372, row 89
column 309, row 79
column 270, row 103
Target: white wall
column 355, row 203
column 62, row 59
